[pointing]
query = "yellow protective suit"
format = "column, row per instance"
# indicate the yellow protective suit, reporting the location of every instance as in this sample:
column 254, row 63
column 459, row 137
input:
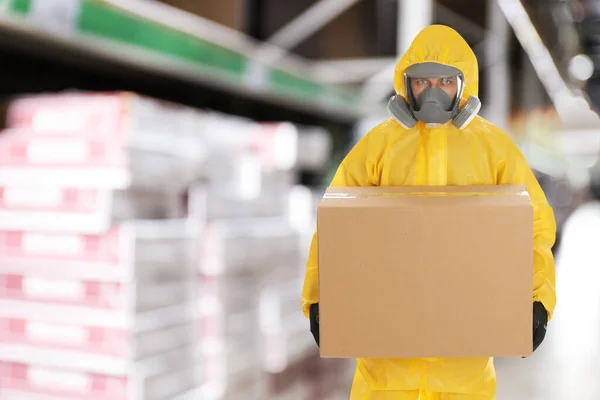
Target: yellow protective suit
column 480, row 154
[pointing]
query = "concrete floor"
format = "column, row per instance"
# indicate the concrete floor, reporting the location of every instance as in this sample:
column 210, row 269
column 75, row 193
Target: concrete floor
column 567, row 365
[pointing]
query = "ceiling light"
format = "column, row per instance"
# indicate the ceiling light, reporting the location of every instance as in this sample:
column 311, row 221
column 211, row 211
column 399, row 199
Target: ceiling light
column 581, row 67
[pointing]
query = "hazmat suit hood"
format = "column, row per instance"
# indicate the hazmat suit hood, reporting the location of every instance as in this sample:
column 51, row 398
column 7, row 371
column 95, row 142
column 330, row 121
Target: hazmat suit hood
column 443, row 45
column 437, row 50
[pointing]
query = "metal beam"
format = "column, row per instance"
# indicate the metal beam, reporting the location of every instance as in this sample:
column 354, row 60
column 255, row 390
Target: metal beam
column 466, row 27
column 301, row 27
column 349, row 70
column 413, row 16
column 572, row 108
column 496, row 59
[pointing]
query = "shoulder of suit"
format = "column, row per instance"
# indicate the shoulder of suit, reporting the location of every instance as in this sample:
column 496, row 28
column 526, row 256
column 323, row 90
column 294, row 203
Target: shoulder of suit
column 483, row 127
column 382, row 131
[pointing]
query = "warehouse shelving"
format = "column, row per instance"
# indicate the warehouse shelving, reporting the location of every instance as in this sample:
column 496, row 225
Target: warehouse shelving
column 108, row 37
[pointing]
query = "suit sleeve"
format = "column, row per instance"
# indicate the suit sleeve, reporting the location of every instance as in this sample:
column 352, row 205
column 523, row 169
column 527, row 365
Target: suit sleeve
column 355, row 170
column 515, row 170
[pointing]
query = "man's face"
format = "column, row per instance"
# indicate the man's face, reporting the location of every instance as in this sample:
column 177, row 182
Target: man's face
column 448, row 85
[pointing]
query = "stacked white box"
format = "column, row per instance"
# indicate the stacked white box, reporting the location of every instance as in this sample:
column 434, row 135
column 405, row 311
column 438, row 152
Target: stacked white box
column 258, row 221
column 241, row 257
column 248, row 243
column 97, row 288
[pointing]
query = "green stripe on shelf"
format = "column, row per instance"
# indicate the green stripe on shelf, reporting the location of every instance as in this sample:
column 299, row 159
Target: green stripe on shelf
column 20, row 6
column 108, row 22
column 285, row 82
column 343, row 96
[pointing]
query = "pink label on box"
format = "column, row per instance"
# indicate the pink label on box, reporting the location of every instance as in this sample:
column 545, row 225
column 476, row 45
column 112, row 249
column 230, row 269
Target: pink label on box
column 22, row 150
column 276, row 144
column 38, row 247
column 107, row 295
column 49, row 200
column 85, row 114
column 61, row 383
column 79, row 338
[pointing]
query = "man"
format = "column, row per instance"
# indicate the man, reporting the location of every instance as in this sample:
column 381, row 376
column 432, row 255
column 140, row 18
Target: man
column 436, row 138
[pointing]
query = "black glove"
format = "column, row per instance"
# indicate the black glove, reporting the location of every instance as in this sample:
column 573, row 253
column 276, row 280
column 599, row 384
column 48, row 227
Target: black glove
column 314, row 321
column 540, row 321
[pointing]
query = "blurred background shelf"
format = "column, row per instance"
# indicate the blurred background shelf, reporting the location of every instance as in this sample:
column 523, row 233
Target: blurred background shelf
column 158, row 50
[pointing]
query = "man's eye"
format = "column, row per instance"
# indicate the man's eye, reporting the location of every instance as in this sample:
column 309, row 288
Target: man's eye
column 447, row 81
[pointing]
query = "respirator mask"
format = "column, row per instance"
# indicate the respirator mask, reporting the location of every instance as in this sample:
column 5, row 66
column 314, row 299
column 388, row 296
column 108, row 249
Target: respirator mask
column 433, row 105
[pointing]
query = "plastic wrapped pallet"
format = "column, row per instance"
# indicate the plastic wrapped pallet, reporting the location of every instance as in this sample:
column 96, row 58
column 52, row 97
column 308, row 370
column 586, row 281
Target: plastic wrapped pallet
column 284, row 329
column 269, row 199
column 141, row 251
column 110, row 141
column 98, row 250
column 96, row 342
column 110, row 297
column 314, row 148
column 154, row 379
column 83, row 210
column 240, row 186
column 234, row 246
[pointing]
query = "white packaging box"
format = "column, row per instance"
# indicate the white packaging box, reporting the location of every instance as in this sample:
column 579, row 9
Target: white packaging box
column 99, row 113
column 77, row 340
column 234, row 246
column 269, row 198
column 285, row 331
column 223, row 206
column 283, row 298
column 298, row 390
column 226, row 375
column 109, row 296
column 278, row 270
column 90, row 211
column 219, row 324
column 92, row 340
column 314, row 148
column 296, row 345
column 277, row 144
column 251, row 385
column 235, row 355
column 74, row 161
column 144, row 251
column 144, row 381
column 101, row 141
column 239, row 294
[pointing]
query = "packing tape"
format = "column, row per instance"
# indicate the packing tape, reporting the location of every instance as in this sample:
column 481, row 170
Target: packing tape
column 414, row 194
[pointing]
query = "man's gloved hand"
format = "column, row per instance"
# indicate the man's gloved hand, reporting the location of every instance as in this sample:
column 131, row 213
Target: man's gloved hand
column 314, row 321
column 540, row 321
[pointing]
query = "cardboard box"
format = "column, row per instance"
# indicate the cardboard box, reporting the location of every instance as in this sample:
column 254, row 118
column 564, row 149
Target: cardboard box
column 426, row 272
